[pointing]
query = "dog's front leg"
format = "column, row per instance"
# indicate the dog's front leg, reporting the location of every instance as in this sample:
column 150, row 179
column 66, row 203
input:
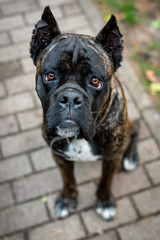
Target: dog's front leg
column 105, row 206
column 67, row 200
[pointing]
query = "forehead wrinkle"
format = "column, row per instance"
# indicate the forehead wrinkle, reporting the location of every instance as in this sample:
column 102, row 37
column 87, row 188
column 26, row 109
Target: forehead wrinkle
column 48, row 52
column 50, row 48
column 77, row 48
column 101, row 53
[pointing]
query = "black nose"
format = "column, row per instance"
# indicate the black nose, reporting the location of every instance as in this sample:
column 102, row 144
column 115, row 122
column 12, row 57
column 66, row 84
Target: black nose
column 70, row 98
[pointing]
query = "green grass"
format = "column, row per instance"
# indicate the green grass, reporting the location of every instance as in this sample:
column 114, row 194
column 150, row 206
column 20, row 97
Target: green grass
column 144, row 65
column 154, row 46
column 126, row 7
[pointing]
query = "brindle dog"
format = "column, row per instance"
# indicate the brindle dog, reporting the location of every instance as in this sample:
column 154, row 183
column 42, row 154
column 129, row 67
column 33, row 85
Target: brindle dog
column 84, row 107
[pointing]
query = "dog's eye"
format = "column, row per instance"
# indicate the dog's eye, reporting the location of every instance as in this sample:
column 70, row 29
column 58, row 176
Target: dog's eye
column 49, row 77
column 96, row 82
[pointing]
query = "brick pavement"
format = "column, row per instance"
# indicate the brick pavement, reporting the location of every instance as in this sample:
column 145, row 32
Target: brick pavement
column 27, row 173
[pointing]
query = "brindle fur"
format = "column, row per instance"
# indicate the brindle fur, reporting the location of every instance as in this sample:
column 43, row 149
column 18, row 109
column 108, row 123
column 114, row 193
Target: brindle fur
column 113, row 135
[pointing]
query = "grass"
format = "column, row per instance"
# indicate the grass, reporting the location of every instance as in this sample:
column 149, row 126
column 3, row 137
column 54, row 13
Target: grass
column 154, row 46
column 126, row 7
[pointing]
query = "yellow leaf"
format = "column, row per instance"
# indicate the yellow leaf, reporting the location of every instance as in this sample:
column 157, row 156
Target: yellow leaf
column 107, row 17
column 155, row 88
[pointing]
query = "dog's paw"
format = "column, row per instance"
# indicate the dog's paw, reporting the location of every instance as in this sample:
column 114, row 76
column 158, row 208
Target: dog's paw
column 107, row 210
column 130, row 163
column 63, row 206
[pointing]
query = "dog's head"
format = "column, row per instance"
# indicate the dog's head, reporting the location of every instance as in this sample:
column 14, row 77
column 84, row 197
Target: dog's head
column 73, row 78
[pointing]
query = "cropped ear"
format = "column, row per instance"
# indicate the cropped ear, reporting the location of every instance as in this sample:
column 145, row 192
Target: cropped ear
column 111, row 41
column 43, row 33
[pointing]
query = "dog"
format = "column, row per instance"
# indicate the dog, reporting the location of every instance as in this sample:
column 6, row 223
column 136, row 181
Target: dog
column 84, row 106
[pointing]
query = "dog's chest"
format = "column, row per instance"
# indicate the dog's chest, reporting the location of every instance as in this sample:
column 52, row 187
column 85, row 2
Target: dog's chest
column 80, row 150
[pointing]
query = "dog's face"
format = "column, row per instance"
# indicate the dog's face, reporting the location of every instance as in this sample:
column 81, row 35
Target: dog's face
column 73, row 76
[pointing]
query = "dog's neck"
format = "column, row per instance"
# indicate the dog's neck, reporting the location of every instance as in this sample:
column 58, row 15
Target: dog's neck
column 113, row 110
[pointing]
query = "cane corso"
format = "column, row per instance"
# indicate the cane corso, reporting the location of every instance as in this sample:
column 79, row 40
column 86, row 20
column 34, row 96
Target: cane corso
column 84, row 107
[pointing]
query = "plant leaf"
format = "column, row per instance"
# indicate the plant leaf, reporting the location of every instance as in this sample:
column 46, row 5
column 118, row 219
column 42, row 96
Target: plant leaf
column 44, row 199
column 156, row 24
column 155, row 88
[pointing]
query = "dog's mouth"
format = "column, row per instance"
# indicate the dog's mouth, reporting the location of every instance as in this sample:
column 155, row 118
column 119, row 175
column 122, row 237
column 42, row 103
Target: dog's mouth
column 64, row 130
column 67, row 129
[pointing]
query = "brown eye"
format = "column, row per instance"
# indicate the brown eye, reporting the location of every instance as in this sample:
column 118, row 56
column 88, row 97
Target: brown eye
column 50, row 77
column 96, row 82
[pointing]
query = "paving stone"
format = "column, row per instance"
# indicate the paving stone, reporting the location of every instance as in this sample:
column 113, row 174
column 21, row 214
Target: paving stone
column 107, row 236
column 68, row 229
column 2, row 90
column 126, row 92
column 94, row 223
column 129, row 182
column 18, row 236
column 143, row 130
column 147, row 229
column 153, row 120
column 22, row 35
column 4, row 39
column 22, row 216
column 72, row 9
column 10, row 23
column 42, row 159
column 86, row 198
column 132, row 82
column 16, row 103
column 37, row 185
column 22, row 142
column 154, row 170
column 27, row 65
column 54, row 2
column 148, row 150
column 8, row 125
column 17, row 7
column 6, row 197
column 33, row 17
column 5, row 1
column 20, row 83
column 15, row 52
column 9, row 69
column 51, row 202
column 84, row 30
column 87, row 171
column 92, row 14
column 30, row 119
column 72, row 23
column 148, row 201
column 132, row 111
column 14, row 168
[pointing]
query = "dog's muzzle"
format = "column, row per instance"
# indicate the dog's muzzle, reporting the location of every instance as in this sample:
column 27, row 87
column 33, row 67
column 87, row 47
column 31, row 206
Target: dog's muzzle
column 70, row 100
column 67, row 129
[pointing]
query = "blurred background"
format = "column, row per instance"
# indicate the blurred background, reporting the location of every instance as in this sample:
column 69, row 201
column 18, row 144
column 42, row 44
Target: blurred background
column 140, row 24
column 29, row 178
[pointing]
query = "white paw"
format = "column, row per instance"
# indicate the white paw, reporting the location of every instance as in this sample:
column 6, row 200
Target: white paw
column 63, row 207
column 129, row 164
column 61, row 212
column 107, row 213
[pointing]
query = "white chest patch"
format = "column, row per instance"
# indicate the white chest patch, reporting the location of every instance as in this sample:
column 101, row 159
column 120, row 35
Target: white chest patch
column 80, row 150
